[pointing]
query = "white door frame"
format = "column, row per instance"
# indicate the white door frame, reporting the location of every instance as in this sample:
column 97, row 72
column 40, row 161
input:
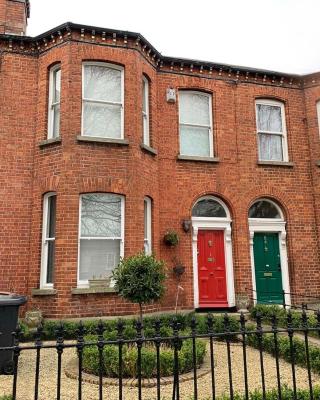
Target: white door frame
column 223, row 224
column 272, row 226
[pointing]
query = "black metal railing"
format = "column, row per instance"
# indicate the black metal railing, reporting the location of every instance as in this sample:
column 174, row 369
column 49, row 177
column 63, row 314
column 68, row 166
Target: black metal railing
column 213, row 330
column 298, row 301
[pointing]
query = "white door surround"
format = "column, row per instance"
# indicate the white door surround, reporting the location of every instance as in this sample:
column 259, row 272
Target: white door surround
column 210, row 223
column 275, row 226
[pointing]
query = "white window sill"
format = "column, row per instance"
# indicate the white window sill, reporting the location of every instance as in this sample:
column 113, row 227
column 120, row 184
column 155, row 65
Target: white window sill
column 148, row 149
column 44, row 292
column 95, row 139
column 277, row 163
column 87, row 290
column 198, row 158
column 48, row 142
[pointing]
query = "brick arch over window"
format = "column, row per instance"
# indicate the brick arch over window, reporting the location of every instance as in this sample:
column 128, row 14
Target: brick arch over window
column 112, row 185
column 49, row 184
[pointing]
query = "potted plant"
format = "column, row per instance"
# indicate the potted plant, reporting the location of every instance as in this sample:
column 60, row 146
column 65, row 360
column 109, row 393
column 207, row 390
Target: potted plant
column 100, row 281
column 140, row 279
column 171, row 238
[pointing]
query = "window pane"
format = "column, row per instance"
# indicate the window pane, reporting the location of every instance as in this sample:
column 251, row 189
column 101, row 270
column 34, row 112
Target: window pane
column 51, row 217
column 144, row 95
column 145, row 220
column 269, row 118
column 264, row 209
column 50, row 260
column 102, row 83
column 270, row 147
column 194, row 108
column 56, row 120
column 208, row 208
column 146, row 138
column 102, row 120
column 98, row 258
column 194, row 141
column 57, row 85
column 100, row 215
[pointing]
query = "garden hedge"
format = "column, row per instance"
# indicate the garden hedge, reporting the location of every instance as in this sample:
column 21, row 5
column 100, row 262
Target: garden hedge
column 300, row 358
column 148, row 359
column 70, row 327
column 267, row 311
column 287, row 394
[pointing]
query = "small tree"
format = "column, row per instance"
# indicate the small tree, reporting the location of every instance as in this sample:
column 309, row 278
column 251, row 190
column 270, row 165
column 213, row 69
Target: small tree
column 140, row 279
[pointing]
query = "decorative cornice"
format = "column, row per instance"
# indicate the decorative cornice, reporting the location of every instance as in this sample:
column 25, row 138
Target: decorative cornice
column 69, row 31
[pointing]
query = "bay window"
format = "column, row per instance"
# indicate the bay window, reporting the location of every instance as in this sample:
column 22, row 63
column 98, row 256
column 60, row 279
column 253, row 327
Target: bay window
column 101, row 238
column 102, row 100
column 54, row 102
column 48, row 240
column 195, row 123
column 271, row 129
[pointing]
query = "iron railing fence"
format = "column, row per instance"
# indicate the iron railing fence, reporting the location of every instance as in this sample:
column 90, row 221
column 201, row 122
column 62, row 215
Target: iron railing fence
column 234, row 329
column 299, row 301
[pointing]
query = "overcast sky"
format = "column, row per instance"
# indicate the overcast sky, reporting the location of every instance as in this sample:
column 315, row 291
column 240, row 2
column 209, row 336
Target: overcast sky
column 279, row 35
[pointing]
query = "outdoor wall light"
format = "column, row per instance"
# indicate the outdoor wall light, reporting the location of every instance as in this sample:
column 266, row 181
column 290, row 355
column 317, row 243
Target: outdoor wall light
column 186, row 225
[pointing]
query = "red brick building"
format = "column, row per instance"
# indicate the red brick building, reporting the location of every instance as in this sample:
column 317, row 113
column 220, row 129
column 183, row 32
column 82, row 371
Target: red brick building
column 105, row 145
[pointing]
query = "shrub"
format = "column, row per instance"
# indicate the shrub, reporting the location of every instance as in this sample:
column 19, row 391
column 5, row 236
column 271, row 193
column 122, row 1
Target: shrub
column 267, row 311
column 284, row 351
column 287, row 394
column 70, row 327
column 140, row 279
column 148, row 359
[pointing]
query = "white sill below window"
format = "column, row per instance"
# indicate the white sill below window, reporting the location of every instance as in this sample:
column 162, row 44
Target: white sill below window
column 97, row 139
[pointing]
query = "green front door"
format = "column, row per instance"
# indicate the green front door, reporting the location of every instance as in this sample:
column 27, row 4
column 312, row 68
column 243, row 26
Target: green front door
column 267, row 267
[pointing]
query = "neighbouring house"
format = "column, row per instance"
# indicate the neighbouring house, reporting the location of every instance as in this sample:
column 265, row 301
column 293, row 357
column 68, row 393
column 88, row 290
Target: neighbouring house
column 105, row 145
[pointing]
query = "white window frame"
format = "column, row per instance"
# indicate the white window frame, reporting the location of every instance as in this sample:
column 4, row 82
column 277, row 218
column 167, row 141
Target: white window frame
column 214, row 223
column 85, row 283
column 275, row 225
column 148, row 238
column 283, row 134
column 111, row 66
column 145, row 113
column 209, row 127
column 44, row 242
column 318, row 114
column 51, row 103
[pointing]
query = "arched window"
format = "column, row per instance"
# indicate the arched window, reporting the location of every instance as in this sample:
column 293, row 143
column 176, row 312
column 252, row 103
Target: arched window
column 264, row 208
column 209, row 207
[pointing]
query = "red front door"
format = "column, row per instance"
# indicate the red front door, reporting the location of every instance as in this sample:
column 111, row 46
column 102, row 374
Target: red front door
column 212, row 269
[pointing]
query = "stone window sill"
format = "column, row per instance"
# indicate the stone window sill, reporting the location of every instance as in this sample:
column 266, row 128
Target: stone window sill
column 276, row 163
column 93, row 290
column 148, row 149
column 318, row 163
column 43, row 292
column 93, row 139
column 49, row 142
column 196, row 158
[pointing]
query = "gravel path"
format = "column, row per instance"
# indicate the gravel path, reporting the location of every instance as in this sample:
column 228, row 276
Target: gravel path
column 47, row 388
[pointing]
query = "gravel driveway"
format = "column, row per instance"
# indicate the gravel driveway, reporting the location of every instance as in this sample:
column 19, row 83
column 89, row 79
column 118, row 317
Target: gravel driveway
column 47, row 388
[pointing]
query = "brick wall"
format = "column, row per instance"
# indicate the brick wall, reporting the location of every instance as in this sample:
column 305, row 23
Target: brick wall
column 71, row 168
